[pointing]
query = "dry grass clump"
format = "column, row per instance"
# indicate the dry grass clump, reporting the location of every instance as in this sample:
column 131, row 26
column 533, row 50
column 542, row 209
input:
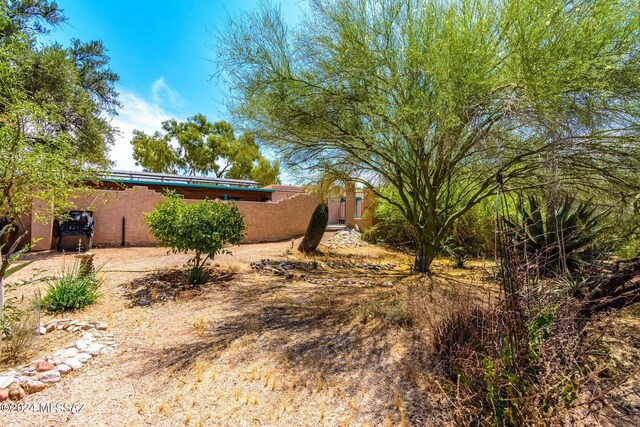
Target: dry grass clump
column 17, row 339
column 390, row 311
column 501, row 365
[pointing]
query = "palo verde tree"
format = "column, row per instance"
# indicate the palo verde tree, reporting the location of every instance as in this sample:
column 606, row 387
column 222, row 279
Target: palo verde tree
column 198, row 146
column 432, row 99
column 205, row 228
column 55, row 104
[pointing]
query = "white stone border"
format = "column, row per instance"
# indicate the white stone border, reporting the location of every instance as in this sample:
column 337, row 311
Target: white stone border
column 32, row 378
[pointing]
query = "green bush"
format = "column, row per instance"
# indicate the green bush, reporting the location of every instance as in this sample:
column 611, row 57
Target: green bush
column 205, row 228
column 472, row 233
column 72, row 291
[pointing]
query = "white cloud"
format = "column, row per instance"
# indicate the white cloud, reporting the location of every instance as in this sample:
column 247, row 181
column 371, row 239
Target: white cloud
column 161, row 93
column 142, row 114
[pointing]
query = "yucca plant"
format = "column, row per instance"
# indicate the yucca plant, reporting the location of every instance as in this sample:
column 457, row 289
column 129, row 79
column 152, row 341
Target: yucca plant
column 457, row 252
column 560, row 236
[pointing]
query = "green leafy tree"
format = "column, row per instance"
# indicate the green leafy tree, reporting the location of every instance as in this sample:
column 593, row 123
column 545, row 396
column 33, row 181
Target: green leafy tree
column 55, row 104
column 198, row 146
column 205, row 228
column 434, row 98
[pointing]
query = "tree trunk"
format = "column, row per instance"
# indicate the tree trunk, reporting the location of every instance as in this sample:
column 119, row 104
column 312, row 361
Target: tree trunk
column 424, row 257
column 316, row 228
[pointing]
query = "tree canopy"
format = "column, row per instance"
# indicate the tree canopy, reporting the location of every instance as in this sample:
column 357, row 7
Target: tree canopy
column 55, row 104
column 197, row 146
column 434, row 99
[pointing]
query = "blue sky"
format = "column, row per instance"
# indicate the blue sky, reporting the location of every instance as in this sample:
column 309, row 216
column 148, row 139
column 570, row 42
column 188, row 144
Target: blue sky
column 163, row 52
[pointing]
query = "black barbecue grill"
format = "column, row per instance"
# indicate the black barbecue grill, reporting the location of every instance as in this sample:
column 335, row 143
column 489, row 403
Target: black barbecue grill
column 74, row 231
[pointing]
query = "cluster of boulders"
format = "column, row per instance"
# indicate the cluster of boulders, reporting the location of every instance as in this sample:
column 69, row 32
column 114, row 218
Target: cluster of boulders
column 32, row 378
column 284, row 267
column 363, row 265
column 347, row 238
column 324, row 281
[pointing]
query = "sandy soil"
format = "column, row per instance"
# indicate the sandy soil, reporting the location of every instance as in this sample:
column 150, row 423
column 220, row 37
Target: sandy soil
column 258, row 349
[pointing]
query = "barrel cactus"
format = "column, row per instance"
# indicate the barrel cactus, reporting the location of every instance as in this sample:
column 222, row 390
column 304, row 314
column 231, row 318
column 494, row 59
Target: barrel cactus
column 316, row 228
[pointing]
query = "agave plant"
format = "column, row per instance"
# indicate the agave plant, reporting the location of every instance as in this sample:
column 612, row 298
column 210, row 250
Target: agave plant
column 562, row 235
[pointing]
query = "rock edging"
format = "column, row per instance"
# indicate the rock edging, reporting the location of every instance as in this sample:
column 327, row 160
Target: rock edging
column 35, row 377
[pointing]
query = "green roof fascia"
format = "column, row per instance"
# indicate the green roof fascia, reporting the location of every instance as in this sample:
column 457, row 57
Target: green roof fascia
column 186, row 184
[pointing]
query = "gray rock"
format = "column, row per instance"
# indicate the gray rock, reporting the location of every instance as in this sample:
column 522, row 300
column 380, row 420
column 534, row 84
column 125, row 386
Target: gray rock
column 82, row 345
column 71, row 352
column 94, row 349
column 52, row 376
column 73, row 363
column 83, row 357
column 63, row 368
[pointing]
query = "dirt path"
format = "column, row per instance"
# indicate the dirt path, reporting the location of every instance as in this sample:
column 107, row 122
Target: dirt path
column 256, row 350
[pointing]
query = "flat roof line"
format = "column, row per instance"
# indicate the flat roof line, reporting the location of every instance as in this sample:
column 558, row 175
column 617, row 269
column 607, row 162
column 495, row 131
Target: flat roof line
column 169, row 177
column 185, row 184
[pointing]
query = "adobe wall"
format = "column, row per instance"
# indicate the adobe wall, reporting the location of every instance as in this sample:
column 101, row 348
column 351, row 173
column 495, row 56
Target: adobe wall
column 267, row 221
column 282, row 192
column 366, row 219
column 288, row 218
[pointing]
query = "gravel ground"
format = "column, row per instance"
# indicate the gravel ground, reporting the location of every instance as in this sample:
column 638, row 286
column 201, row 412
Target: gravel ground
column 255, row 350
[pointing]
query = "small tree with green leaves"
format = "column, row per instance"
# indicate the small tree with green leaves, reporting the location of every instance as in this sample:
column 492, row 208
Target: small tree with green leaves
column 206, row 228
column 55, row 108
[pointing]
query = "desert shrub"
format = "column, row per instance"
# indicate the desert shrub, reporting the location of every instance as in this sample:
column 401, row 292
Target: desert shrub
column 18, row 336
column 457, row 252
column 559, row 235
column 72, row 291
column 622, row 230
column 520, row 360
column 17, row 325
column 391, row 227
column 204, row 228
column 391, row 312
column 197, row 275
column 472, row 233
column 494, row 381
column 460, row 335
